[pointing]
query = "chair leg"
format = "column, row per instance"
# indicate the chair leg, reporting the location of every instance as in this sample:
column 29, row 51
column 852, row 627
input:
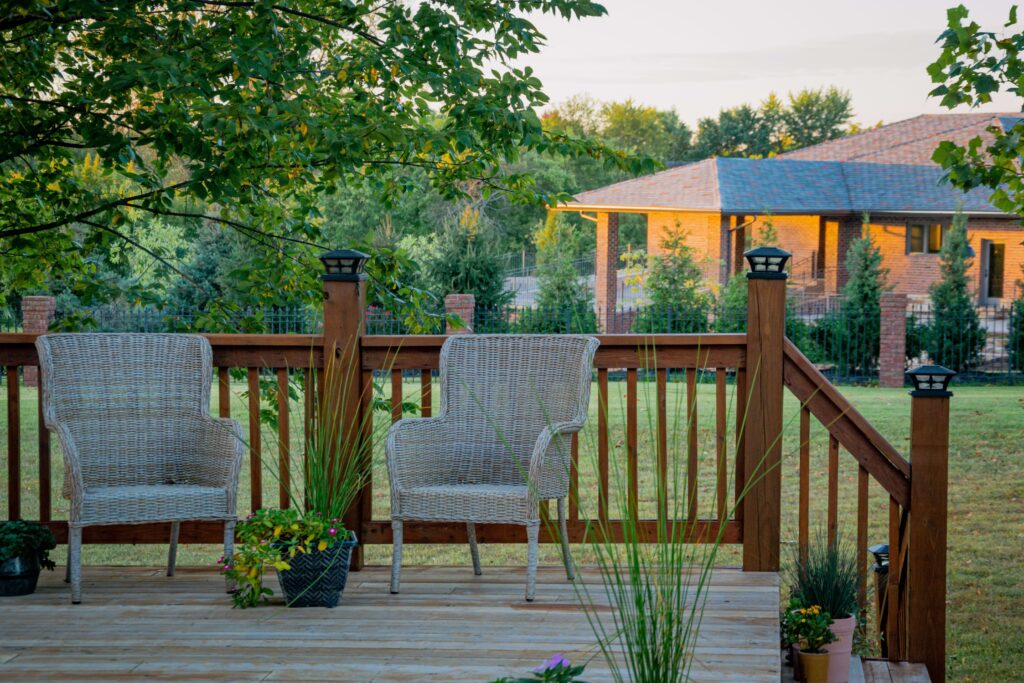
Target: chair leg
column 396, row 555
column 563, row 529
column 532, row 539
column 75, row 563
column 229, row 550
column 172, row 549
column 473, row 549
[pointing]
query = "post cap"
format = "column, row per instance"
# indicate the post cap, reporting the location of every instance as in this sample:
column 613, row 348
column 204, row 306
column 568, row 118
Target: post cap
column 344, row 265
column 931, row 381
column 767, row 263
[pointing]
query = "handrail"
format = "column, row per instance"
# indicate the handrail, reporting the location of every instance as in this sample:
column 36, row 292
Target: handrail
column 853, row 432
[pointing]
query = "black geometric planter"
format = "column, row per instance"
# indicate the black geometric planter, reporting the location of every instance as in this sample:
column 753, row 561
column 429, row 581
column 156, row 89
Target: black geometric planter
column 19, row 575
column 316, row 579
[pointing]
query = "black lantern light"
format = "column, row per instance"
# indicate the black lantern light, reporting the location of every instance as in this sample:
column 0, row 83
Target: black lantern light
column 767, row 263
column 344, row 265
column 930, row 380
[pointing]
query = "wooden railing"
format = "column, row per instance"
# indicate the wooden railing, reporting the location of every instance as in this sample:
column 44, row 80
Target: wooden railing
column 756, row 367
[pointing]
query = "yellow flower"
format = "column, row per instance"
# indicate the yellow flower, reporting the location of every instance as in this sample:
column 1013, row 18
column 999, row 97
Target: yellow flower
column 322, row 546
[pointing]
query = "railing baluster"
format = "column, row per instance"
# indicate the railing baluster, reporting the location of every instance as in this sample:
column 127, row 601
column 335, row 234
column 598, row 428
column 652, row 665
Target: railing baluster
column 862, row 538
column 602, row 444
column 662, row 482
column 45, row 485
column 426, row 394
column 833, row 488
column 284, row 448
column 223, row 392
column 892, row 630
column 691, row 444
column 805, row 482
column 255, row 450
column 721, row 444
column 631, row 442
column 13, row 444
column 741, row 437
column 396, row 395
column 366, row 416
column 308, row 415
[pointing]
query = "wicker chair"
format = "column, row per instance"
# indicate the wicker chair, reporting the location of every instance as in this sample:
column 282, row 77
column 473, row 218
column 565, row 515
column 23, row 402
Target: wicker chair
column 509, row 405
column 131, row 412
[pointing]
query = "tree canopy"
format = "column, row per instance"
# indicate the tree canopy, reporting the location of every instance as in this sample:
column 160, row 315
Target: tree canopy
column 241, row 114
column 973, row 65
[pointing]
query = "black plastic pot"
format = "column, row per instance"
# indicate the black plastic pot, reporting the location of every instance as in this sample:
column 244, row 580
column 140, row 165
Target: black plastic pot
column 19, row 575
column 316, row 579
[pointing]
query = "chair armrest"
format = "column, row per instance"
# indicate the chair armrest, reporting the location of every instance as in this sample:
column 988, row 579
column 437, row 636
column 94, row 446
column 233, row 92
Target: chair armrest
column 219, row 452
column 412, row 448
column 74, row 483
column 550, row 461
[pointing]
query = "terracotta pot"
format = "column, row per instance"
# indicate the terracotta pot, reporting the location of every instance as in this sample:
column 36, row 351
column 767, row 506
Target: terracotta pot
column 815, row 666
column 841, row 649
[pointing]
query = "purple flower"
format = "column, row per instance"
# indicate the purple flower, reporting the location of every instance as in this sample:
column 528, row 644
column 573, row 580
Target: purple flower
column 555, row 662
column 332, row 531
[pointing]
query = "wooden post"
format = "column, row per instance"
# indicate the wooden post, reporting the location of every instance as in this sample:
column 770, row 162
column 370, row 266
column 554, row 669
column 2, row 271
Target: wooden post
column 929, row 484
column 344, row 325
column 766, row 333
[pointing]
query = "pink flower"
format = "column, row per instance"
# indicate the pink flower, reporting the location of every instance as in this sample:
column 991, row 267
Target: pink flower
column 332, row 531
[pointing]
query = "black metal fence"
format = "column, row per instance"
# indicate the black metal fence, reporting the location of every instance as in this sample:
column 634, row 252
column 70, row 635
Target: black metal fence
column 983, row 344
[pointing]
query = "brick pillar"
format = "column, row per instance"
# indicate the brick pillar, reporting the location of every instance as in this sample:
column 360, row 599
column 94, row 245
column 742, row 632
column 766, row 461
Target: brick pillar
column 37, row 313
column 464, row 306
column 838, row 238
column 606, row 271
column 893, row 342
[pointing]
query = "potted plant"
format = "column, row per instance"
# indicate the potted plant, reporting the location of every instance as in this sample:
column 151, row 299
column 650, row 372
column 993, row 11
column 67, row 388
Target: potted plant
column 810, row 627
column 789, row 637
column 308, row 543
column 24, row 550
column 828, row 577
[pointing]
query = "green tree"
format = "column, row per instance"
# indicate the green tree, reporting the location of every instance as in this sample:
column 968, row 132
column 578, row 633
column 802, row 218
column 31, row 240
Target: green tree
column 565, row 303
column 815, row 116
column 974, row 65
column 850, row 338
column 244, row 113
column 956, row 337
column 737, row 132
column 675, row 287
column 468, row 262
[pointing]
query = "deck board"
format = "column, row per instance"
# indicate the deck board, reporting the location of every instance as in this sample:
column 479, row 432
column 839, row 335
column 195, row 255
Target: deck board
column 447, row 625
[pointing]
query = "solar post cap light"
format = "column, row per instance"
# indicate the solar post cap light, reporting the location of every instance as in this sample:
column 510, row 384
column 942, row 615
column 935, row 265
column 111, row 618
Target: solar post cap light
column 767, row 263
column 344, row 265
column 930, row 380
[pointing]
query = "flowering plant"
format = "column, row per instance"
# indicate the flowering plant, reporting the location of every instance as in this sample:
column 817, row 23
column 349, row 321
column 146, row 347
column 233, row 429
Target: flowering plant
column 808, row 626
column 555, row 670
column 269, row 538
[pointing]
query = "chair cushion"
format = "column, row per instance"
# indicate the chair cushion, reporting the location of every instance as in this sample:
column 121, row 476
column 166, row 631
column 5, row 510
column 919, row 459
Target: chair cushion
column 158, row 503
column 465, row 503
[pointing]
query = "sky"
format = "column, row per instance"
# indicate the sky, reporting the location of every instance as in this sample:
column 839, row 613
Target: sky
column 700, row 56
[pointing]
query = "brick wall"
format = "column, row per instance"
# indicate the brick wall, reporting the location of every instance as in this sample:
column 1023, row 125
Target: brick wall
column 893, row 339
column 913, row 274
column 36, row 315
column 464, row 306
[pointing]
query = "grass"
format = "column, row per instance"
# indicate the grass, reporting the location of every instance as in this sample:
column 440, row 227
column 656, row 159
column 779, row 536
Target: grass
column 986, row 519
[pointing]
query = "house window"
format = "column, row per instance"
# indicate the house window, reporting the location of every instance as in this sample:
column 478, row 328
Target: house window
column 925, row 238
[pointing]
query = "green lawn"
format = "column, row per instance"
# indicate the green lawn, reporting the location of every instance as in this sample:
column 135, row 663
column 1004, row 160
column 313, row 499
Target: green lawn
column 986, row 542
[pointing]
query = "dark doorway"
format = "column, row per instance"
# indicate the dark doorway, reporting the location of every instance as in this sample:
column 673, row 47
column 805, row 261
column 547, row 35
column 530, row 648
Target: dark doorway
column 993, row 259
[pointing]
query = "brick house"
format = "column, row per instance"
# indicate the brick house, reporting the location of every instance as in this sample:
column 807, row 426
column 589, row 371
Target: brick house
column 816, row 198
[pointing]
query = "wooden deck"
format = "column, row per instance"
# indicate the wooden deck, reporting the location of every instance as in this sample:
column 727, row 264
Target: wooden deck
column 447, row 625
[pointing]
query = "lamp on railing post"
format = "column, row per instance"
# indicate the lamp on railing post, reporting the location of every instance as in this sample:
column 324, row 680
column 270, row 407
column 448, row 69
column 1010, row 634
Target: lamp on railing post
column 344, row 325
column 766, row 336
column 929, row 484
